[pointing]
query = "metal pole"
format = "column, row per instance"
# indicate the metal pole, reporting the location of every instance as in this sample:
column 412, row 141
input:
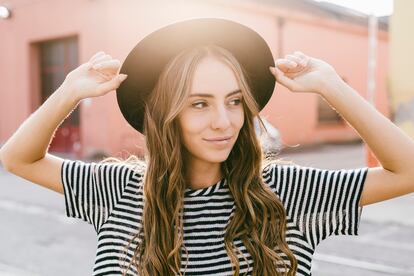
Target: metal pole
column 372, row 161
column 372, row 60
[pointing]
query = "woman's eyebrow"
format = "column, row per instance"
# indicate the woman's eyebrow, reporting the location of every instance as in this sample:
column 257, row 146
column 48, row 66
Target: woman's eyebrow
column 211, row 95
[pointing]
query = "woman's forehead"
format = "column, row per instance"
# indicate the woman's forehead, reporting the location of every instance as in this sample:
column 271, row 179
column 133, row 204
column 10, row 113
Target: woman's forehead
column 212, row 76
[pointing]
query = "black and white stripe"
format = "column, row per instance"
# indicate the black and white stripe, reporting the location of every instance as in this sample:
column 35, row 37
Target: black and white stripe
column 319, row 203
column 93, row 189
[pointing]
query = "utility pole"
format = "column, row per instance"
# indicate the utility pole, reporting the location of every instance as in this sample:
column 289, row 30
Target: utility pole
column 371, row 160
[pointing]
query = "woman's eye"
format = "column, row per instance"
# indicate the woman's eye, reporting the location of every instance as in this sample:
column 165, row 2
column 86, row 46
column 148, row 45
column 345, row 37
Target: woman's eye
column 198, row 104
column 236, row 101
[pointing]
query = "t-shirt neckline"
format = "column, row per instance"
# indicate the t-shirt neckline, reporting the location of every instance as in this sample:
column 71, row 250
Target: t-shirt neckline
column 207, row 190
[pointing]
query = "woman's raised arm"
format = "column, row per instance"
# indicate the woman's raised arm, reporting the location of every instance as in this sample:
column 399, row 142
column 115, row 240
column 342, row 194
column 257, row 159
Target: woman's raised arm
column 25, row 152
column 393, row 148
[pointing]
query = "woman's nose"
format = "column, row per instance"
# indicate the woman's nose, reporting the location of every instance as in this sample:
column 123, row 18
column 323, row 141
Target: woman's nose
column 220, row 118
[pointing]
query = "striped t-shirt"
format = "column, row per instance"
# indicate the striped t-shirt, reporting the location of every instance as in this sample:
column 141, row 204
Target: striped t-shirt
column 318, row 203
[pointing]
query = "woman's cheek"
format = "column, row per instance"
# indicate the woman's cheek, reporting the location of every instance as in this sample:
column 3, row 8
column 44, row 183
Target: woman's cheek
column 198, row 122
column 238, row 117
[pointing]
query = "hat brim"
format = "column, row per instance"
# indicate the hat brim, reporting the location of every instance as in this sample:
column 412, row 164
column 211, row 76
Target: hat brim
column 147, row 59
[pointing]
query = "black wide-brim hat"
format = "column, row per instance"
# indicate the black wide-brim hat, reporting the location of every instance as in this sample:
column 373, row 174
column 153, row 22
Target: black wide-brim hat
column 147, row 59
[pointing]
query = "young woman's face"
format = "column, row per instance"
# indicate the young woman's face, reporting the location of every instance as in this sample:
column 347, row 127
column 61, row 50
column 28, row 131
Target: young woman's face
column 213, row 113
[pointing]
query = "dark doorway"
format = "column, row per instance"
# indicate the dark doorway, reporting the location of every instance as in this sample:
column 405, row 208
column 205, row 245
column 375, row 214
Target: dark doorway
column 57, row 59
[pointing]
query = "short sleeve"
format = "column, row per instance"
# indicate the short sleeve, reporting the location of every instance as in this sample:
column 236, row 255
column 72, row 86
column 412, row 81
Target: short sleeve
column 321, row 202
column 91, row 190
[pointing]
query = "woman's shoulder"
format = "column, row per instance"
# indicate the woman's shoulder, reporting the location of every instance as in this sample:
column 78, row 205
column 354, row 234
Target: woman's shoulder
column 272, row 165
column 275, row 169
column 138, row 169
column 134, row 165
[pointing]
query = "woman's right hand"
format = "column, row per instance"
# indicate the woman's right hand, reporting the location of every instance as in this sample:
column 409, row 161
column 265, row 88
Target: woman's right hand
column 94, row 78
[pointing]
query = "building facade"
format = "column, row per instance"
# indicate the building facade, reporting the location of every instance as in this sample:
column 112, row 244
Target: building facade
column 44, row 40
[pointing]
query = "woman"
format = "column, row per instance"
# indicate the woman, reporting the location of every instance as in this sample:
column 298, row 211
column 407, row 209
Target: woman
column 204, row 202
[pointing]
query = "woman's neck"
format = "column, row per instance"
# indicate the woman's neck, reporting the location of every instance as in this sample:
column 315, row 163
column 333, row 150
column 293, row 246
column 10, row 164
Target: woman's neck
column 202, row 175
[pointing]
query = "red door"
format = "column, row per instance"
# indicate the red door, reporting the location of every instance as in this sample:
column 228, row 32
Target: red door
column 57, row 59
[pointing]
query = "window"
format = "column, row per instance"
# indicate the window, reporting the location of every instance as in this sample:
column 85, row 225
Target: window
column 326, row 114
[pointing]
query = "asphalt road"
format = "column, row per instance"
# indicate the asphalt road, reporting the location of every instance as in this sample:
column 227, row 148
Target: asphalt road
column 36, row 237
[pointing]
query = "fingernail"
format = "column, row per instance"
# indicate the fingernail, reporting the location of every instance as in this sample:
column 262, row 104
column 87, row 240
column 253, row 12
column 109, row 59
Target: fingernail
column 123, row 76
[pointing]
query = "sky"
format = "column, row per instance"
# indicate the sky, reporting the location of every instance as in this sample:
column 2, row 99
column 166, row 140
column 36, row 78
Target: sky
column 378, row 7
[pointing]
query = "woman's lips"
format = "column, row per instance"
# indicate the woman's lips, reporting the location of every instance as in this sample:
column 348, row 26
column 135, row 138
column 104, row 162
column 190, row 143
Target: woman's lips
column 219, row 140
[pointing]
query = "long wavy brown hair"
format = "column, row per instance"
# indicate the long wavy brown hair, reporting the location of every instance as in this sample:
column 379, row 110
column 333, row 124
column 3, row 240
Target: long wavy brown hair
column 259, row 220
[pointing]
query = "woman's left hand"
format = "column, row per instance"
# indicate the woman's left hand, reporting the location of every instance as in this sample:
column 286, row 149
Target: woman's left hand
column 300, row 73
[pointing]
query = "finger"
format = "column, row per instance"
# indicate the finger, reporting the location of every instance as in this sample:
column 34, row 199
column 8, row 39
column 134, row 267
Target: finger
column 300, row 54
column 294, row 59
column 285, row 65
column 113, row 64
column 111, row 84
column 103, row 73
column 106, row 77
column 98, row 54
column 304, row 58
column 101, row 58
column 89, row 65
column 285, row 81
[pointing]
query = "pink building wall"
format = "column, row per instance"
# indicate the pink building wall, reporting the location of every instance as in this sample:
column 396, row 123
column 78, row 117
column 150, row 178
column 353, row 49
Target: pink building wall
column 116, row 26
column 346, row 49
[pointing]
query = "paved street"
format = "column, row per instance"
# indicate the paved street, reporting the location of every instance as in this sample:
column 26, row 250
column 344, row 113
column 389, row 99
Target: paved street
column 37, row 238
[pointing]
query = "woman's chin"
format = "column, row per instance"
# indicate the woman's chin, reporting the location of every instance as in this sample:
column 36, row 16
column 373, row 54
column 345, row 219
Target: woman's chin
column 217, row 158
